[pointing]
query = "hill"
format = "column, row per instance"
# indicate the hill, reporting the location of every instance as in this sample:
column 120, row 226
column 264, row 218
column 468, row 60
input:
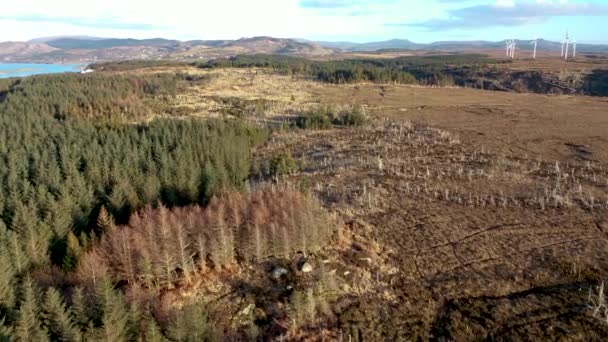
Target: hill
column 76, row 43
column 92, row 49
column 82, row 49
column 15, row 50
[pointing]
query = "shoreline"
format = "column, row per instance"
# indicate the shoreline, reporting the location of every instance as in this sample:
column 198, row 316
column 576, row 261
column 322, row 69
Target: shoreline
column 30, row 69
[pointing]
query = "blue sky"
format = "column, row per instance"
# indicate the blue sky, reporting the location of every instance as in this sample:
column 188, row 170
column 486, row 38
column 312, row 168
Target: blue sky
column 337, row 20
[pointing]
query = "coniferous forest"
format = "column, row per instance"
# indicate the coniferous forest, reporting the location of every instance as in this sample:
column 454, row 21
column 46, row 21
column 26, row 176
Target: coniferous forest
column 426, row 70
column 96, row 210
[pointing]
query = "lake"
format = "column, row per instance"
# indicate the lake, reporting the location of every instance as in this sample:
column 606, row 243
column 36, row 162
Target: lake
column 27, row 69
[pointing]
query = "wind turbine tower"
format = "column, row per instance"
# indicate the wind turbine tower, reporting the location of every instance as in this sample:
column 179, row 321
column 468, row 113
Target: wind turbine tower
column 535, row 43
column 513, row 44
column 573, row 48
column 567, row 42
column 508, row 48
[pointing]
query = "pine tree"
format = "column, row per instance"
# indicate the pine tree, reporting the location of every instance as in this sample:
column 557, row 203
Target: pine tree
column 21, row 260
column 34, row 234
column 105, row 222
column 59, row 218
column 7, row 271
column 28, row 326
column 116, row 318
column 58, row 318
column 190, row 324
column 70, row 259
column 153, row 332
column 80, row 308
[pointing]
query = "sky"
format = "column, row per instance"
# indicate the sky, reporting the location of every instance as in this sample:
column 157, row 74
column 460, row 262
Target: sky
column 330, row 20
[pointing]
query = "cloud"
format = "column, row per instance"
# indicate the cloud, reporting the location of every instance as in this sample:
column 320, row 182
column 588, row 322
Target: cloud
column 328, row 3
column 102, row 23
column 509, row 13
column 344, row 4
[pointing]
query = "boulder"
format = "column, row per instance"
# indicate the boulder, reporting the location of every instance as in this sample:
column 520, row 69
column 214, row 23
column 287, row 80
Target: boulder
column 306, row 268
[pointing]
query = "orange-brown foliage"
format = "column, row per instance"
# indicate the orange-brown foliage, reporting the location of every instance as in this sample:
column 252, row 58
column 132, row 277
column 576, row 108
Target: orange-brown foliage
column 161, row 246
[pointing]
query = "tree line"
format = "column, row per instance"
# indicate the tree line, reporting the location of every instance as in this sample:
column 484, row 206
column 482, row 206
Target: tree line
column 425, row 70
column 102, row 97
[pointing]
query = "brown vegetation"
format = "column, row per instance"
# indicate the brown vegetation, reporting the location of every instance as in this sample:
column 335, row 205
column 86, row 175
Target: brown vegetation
column 162, row 246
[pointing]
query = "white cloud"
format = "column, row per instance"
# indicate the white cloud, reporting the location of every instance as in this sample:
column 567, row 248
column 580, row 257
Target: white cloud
column 512, row 13
column 192, row 19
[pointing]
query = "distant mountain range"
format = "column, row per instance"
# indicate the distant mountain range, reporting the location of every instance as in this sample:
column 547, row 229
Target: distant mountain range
column 404, row 44
column 93, row 49
column 84, row 49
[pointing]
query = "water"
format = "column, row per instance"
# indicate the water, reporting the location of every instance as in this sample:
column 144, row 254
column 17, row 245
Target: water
column 25, row 69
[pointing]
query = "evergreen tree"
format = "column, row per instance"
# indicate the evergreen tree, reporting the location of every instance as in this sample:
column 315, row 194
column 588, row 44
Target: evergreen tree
column 190, row 324
column 20, row 259
column 152, row 332
column 80, row 308
column 28, row 326
column 105, row 222
column 116, row 318
column 34, row 235
column 7, row 271
column 58, row 318
column 73, row 250
column 7, row 282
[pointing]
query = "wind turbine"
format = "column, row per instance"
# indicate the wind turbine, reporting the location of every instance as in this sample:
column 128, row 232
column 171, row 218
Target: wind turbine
column 535, row 43
column 508, row 47
column 513, row 44
column 567, row 42
column 573, row 47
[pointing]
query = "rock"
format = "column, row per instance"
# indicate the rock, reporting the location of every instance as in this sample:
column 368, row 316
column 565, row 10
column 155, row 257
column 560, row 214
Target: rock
column 279, row 272
column 306, row 268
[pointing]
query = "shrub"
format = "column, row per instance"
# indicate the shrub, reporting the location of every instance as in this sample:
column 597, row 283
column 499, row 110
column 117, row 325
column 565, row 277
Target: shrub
column 283, row 163
column 315, row 119
column 356, row 117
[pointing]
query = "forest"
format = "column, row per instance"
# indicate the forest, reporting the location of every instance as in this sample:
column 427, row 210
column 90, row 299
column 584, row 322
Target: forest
column 96, row 208
column 134, row 65
column 426, row 70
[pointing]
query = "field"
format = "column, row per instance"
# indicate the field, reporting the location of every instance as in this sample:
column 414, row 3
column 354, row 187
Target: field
column 471, row 214
column 359, row 211
column 552, row 127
